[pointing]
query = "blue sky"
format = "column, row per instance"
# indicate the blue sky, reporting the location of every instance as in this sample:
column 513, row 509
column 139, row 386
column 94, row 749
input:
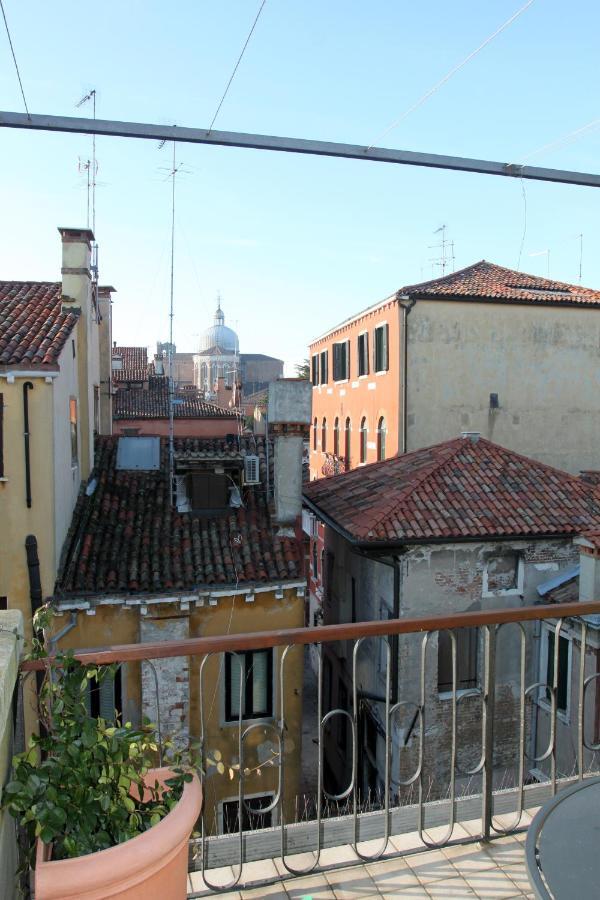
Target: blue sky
column 293, row 243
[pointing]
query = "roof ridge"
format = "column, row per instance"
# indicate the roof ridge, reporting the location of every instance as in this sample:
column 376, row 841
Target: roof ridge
column 444, row 278
column 531, row 461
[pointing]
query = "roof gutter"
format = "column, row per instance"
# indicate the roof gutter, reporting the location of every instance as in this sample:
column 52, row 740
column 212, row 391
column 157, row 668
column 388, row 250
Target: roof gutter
column 367, row 547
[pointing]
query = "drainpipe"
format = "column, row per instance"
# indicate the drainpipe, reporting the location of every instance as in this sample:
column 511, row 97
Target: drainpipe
column 406, row 308
column 33, row 568
column 28, row 386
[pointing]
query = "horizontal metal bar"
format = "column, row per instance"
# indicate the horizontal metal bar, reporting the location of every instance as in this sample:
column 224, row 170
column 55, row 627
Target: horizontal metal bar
column 110, row 128
column 262, row 639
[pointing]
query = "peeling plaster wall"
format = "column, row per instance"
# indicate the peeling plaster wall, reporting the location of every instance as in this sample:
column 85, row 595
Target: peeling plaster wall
column 170, row 676
column 437, row 579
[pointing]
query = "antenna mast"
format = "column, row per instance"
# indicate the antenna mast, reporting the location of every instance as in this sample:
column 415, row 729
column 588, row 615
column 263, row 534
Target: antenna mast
column 443, row 261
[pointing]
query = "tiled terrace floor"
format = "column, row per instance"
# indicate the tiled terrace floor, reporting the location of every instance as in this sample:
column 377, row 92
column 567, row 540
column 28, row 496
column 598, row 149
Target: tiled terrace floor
column 493, row 871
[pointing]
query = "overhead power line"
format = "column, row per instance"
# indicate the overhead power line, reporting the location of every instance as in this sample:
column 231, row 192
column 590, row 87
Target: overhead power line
column 12, row 50
column 235, row 68
column 452, row 72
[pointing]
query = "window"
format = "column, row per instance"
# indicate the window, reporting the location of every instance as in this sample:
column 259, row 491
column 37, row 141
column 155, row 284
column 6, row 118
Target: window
column 381, row 349
column 73, row 427
column 117, row 363
column 315, row 434
column 363, row 439
column 315, row 370
column 1, row 435
column 324, row 367
column 252, row 817
column 466, row 660
column 104, row 698
column 324, row 435
column 207, row 490
column 381, row 436
column 347, row 437
column 341, row 361
column 547, row 668
column 363, row 354
column 503, row 574
column 253, row 670
column 315, row 567
column 336, row 437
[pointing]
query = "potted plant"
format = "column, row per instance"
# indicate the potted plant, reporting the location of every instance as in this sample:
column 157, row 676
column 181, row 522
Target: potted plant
column 107, row 823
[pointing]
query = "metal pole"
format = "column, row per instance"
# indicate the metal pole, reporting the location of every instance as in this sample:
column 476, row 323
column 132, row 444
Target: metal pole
column 170, row 353
column 488, row 731
column 153, row 132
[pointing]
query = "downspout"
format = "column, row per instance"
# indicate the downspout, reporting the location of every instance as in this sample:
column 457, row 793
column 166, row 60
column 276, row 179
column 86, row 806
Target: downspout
column 406, row 308
column 33, row 568
column 28, row 386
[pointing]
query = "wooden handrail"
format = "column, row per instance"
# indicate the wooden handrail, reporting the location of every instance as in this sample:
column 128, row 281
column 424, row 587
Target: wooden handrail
column 261, row 639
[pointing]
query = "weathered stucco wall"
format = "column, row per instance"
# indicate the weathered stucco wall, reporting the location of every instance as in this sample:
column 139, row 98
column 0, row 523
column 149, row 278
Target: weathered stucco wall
column 179, row 691
column 542, row 361
column 434, row 580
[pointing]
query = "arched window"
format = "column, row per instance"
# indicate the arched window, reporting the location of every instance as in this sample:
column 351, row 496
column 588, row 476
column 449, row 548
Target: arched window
column 336, row 437
column 324, row 435
column 347, row 436
column 315, row 434
column 381, row 436
column 363, row 439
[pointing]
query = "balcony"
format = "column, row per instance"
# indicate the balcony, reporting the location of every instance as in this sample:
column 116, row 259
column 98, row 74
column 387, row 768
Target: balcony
column 414, row 790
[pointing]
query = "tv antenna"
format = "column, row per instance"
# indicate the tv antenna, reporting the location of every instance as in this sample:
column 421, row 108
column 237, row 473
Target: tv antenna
column 580, row 236
column 92, row 165
column 446, row 249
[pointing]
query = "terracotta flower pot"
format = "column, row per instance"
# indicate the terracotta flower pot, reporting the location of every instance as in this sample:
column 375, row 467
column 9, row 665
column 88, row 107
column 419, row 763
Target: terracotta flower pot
column 151, row 866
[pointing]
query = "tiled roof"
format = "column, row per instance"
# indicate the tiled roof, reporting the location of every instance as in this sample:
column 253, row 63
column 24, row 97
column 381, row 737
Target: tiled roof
column 33, row 327
column 457, row 489
column 486, row 280
column 126, row 538
column 154, row 404
column 135, row 364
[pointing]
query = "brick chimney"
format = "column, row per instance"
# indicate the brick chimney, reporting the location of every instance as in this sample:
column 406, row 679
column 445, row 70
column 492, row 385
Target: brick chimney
column 76, row 268
column 289, row 422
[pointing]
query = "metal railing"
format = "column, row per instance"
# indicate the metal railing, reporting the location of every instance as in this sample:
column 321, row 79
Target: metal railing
column 504, row 709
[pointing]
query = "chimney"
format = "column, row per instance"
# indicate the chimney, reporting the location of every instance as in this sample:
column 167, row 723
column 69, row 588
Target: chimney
column 76, row 268
column 105, row 346
column 472, row 436
column 589, row 563
column 289, row 414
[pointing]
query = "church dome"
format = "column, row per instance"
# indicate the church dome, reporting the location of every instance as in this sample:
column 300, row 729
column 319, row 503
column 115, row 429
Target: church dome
column 219, row 338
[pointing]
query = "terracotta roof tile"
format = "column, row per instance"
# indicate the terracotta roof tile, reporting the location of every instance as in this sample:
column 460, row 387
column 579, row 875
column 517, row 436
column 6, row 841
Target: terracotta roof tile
column 126, row 538
column 478, row 489
column 33, row 327
column 153, row 403
column 485, row 280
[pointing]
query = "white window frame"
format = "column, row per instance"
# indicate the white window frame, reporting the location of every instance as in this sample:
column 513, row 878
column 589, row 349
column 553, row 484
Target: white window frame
column 253, row 796
column 564, row 716
column 507, row 592
column 234, row 723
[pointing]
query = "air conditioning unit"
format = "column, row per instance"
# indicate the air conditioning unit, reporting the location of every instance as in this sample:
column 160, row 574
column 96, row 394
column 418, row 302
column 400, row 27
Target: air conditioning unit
column 251, row 469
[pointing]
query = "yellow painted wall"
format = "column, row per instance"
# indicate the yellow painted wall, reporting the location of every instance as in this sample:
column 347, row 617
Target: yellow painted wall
column 233, row 615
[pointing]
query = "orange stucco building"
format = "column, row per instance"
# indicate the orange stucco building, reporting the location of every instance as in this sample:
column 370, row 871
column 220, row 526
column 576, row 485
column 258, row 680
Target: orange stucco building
column 357, row 391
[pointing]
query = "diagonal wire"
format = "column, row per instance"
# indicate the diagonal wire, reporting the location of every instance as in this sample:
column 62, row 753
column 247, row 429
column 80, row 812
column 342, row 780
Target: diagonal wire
column 235, row 68
column 568, row 138
column 452, row 72
column 12, row 50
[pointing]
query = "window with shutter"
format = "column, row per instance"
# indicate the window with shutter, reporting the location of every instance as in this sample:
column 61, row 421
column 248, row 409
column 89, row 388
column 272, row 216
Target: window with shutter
column 324, row 362
column 466, row 660
column 341, row 361
column 363, row 354
column 251, row 674
column 104, row 698
column 315, row 369
column 562, row 685
column 381, row 348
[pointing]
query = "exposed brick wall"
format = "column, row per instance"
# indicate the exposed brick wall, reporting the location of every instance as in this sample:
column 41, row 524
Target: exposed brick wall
column 173, row 680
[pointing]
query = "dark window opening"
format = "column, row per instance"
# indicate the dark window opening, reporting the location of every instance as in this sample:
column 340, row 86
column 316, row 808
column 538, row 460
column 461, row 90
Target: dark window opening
column 104, row 698
column 381, row 436
column 363, row 439
column 324, row 435
column 336, row 437
column 315, row 370
column 252, row 817
column 315, row 434
column 347, row 438
column 562, row 692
